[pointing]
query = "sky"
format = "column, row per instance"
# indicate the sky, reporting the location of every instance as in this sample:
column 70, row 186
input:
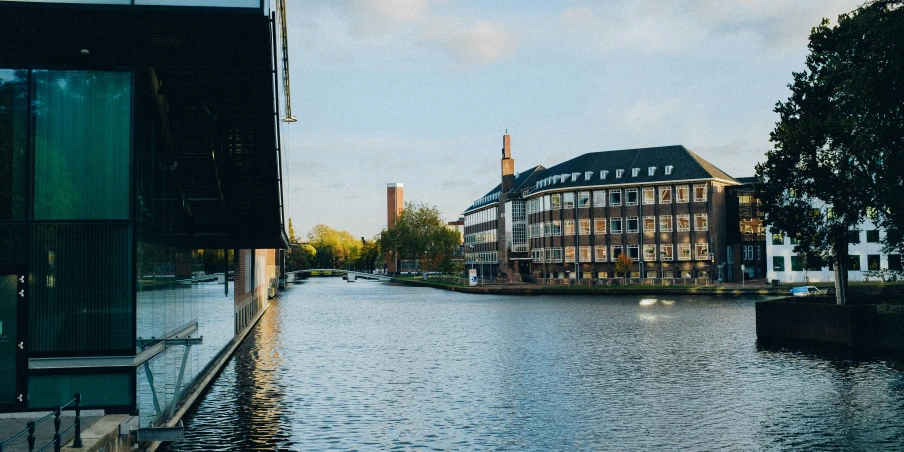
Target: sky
column 421, row 92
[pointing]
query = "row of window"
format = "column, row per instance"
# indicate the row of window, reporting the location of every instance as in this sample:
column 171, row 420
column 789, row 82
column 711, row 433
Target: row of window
column 488, row 257
column 872, row 236
column 873, row 262
column 667, row 274
column 610, row 254
column 488, row 236
column 616, row 225
column 482, row 216
column 568, row 200
column 576, row 176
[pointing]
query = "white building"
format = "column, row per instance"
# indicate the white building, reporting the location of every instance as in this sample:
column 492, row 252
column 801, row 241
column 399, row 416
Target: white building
column 784, row 265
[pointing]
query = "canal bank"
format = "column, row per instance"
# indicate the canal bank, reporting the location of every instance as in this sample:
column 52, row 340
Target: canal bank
column 371, row 366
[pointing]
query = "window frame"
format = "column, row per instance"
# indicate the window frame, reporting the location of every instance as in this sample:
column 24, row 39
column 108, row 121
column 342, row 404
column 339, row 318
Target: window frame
column 612, row 222
column 665, row 195
column 662, row 227
column 687, row 219
column 687, row 194
column 700, row 198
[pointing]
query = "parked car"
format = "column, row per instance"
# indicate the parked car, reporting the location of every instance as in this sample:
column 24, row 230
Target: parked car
column 805, row 291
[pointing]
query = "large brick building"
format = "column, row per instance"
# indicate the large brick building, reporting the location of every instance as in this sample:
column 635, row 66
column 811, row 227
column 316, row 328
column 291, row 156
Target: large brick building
column 664, row 206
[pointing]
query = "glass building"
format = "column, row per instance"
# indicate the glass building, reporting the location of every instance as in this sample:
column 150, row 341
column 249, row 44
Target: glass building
column 139, row 167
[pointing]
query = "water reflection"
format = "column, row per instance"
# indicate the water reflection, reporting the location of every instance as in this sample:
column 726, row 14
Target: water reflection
column 375, row 367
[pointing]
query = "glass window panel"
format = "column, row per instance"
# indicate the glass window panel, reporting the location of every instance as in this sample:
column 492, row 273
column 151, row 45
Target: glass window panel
column 649, row 195
column 81, row 288
column 97, row 390
column 599, row 198
column 82, row 138
column 14, row 169
column 583, row 199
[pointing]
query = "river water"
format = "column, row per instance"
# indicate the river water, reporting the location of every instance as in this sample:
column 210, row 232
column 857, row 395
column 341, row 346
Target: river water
column 372, row 366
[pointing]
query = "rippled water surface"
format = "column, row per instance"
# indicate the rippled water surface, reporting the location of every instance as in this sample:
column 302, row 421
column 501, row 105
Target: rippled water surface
column 371, row 366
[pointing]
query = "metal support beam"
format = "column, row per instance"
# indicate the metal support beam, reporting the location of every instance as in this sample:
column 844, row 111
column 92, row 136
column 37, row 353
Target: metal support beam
column 176, row 433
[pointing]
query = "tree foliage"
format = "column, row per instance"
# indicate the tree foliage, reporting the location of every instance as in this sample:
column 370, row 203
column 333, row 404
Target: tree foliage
column 623, row 264
column 421, row 234
column 837, row 146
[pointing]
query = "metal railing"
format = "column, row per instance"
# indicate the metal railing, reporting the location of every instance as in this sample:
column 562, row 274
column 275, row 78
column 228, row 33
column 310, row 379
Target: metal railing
column 57, row 434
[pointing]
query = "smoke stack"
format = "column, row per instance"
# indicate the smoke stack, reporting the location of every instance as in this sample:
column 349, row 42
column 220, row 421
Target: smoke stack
column 508, row 164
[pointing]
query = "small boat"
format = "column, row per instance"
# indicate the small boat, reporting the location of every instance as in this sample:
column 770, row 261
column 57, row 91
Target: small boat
column 805, row 291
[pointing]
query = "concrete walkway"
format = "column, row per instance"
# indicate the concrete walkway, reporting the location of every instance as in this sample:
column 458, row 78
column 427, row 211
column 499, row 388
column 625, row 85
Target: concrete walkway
column 14, row 423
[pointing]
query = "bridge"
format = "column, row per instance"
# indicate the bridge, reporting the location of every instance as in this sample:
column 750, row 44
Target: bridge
column 335, row 271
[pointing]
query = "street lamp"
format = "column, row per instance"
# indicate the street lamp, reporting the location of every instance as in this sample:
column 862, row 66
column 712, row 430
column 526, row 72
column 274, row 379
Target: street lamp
column 662, row 266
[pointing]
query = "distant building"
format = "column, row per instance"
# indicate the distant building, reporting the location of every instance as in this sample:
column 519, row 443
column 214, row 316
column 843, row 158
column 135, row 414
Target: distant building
column 664, row 207
column 395, row 203
column 865, row 249
column 746, row 232
column 458, row 226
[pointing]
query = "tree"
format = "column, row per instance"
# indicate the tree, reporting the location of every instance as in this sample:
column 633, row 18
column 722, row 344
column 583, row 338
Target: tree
column 421, row 234
column 835, row 150
column 292, row 238
column 334, row 249
column 623, row 264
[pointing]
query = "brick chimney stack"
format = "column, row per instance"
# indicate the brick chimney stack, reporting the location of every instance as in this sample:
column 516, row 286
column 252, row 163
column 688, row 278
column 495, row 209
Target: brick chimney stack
column 508, row 164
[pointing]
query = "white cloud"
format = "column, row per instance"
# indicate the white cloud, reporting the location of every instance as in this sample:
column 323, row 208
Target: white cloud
column 477, row 43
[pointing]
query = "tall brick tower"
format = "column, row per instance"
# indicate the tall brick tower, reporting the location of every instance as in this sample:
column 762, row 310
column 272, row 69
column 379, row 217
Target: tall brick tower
column 395, row 202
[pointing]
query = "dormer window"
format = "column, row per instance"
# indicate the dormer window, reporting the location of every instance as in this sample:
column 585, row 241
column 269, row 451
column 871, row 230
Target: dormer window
column 603, row 174
column 652, row 171
column 588, row 175
column 668, row 169
column 555, row 179
column 635, row 172
column 564, row 178
column 619, row 173
column 575, row 176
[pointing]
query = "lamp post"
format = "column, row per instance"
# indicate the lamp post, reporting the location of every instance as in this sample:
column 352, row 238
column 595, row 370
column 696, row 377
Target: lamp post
column 662, row 266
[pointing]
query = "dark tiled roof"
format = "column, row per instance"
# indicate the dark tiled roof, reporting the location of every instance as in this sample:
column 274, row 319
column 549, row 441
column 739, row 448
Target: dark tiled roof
column 685, row 166
column 523, row 180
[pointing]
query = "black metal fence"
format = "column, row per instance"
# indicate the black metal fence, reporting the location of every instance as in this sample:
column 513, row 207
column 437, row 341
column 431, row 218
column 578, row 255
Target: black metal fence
column 56, row 414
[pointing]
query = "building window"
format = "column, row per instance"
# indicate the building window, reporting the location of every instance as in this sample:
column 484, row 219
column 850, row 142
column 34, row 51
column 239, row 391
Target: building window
column 556, row 227
column 854, row 237
column 699, row 193
column 631, row 197
column 894, row 262
column 585, row 254
column 682, row 194
column 684, row 223
column 599, row 198
column 600, row 253
column 615, row 225
column 872, row 262
column 872, row 236
column 569, row 227
column 778, row 263
column 684, row 251
column 778, row 239
column 583, row 199
column 568, row 199
column 665, row 195
column 616, row 250
column 649, row 252
column 557, row 255
column 701, row 251
column 701, row 222
column 668, row 170
column 584, row 226
column 618, row 173
column 651, row 171
column 635, row 172
column 588, row 175
column 603, row 174
column 748, row 252
column 649, row 196
column 796, row 264
column 556, row 200
column 665, row 223
column 614, row 198
column 83, row 143
column 666, row 252
column 569, row 254
column 634, row 252
column 599, row 226
column 575, row 176
column 632, row 224
column 649, row 224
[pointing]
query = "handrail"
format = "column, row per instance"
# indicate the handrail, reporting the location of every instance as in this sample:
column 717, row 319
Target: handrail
column 57, row 435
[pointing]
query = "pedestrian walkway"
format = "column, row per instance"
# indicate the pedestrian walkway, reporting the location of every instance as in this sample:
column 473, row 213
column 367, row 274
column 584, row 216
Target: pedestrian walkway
column 11, row 424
